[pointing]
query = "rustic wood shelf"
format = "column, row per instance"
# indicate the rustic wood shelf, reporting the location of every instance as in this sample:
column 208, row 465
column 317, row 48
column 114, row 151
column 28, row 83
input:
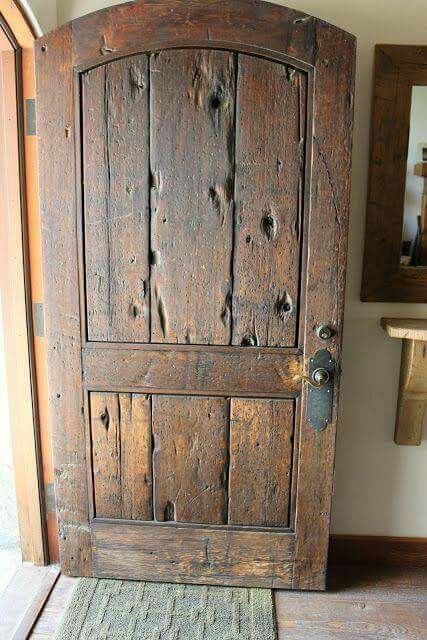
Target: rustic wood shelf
column 412, row 398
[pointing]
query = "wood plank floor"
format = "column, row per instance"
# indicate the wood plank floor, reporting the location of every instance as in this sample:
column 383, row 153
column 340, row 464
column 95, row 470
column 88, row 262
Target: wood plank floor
column 361, row 603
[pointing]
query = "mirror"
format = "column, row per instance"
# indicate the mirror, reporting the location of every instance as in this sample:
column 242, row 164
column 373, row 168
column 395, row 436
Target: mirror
column 414, row 236
column 395, row 261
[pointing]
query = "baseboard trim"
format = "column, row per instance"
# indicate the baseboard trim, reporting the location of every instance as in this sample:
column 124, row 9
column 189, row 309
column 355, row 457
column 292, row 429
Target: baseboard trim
column 386, row 551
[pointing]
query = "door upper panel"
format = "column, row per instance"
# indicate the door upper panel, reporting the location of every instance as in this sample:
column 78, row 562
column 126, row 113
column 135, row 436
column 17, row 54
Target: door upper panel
column 193, row 170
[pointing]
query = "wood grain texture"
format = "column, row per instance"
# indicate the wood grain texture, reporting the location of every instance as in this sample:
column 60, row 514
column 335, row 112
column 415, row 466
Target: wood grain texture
column 412, row 399
column 190, row 459
column 378, row 551
column 61, row 285
column 121, row 455
column 191, row 154
column 196, row 371
column 325, row 289
column 260, row 462
column 175, row 553
column 270, row 158
column 397, row 69
column 115, row 134
column 326, row 55
column 405, row 328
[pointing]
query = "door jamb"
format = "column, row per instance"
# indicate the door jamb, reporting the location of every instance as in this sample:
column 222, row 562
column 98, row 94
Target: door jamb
column 24, row 361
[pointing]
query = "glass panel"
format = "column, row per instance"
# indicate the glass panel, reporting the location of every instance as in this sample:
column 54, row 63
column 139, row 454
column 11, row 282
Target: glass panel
column 414, row 238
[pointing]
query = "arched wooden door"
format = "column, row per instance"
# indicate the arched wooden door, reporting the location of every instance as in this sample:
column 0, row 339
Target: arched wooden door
column 195, row 184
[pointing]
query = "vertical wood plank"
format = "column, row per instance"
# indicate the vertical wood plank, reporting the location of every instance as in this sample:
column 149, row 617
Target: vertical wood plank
column 260, row 462
column 192, row 164
column 325, row 291
column 190, row 459
column 105, row 433
column 269, row 181
column 58, row 218
column 121, row 455
column 116, row 203
column 136, row 456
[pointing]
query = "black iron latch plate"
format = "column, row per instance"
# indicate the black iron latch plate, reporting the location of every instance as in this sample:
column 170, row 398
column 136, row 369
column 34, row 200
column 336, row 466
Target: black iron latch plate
column 320, row 399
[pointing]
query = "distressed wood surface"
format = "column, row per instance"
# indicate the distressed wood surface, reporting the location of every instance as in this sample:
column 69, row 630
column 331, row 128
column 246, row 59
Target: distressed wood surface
column 204, row 555
column 191, row 154
column 260, row 462
column 61, row 286
column 223, row 556
column 196, row 371
column 270, row 158
column 329, row 192
column 115, row 135
column 190, row 459
column 121, row 455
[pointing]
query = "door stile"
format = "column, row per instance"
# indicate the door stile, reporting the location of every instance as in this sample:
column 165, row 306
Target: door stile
column 329, row 202
column 79, row 190
column 61, row 285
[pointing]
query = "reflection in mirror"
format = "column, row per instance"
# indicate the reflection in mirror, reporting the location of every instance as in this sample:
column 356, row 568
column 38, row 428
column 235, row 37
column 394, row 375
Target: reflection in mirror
column 414, row 238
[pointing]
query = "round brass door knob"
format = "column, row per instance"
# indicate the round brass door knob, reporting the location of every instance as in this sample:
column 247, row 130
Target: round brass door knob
column 320, row 377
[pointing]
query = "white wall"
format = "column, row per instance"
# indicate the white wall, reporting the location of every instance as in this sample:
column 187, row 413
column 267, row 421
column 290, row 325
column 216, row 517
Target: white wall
column 380, row 487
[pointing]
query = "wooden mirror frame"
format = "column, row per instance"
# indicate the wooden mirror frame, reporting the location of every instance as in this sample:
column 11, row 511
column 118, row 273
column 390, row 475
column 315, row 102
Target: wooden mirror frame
column 397, row 69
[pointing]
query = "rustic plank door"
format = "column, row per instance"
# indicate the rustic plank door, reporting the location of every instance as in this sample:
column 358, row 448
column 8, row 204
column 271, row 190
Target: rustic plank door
column 194, row 162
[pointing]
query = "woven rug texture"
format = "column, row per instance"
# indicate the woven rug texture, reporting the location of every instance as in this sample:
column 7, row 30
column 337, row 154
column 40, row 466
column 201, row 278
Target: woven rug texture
column 127, row 610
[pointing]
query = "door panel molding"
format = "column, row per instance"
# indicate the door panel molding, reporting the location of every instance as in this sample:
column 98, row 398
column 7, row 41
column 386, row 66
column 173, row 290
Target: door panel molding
column 326, row 54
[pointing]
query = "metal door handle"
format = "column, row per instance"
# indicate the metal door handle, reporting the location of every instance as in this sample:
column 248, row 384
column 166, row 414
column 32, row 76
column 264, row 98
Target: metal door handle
column 319, row 378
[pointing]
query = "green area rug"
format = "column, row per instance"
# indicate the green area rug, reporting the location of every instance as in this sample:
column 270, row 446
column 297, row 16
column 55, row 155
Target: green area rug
column 125, row 610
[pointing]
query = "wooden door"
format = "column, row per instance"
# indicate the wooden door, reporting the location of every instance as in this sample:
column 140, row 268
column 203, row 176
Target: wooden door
column 194, row 185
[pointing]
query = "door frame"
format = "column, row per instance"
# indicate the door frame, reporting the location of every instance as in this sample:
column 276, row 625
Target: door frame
column 21, row 285
column 260, row 28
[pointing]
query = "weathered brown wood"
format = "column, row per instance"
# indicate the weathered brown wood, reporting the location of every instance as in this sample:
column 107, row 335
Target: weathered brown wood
column 196, row 371
column 175, row 553
column 136, row 456
column 61, row 286
column 105, row 436
column 329, row 192
column 192, row 160
column 326, row 56
column 260, row 462
column 270, row 158
column 190, row 459
column 115, row 132
column 397, row 69
column 121, row 455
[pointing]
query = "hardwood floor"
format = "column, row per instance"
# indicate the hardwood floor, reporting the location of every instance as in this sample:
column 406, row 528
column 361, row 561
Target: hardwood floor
column 361, row 604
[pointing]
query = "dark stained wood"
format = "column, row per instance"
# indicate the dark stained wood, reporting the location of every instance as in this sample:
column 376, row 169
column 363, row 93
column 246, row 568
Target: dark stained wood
column 384, row 551
column 206, row 555
column 270, row 157
column 196, row 371
column 260, row 462
column 397, row 69
column 325, row 56
column 105, row 432
column 190, row 459
column 115, row 134
column 192, row 161
column 136, row 456
column 61, row 291
column 121, row 455
column 325, row 290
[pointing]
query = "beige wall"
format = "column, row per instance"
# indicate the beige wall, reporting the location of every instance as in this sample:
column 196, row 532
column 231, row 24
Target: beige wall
column 380, row 488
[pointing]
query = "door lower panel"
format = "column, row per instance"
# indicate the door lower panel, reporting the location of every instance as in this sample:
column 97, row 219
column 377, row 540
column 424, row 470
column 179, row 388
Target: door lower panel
column 192, row 553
